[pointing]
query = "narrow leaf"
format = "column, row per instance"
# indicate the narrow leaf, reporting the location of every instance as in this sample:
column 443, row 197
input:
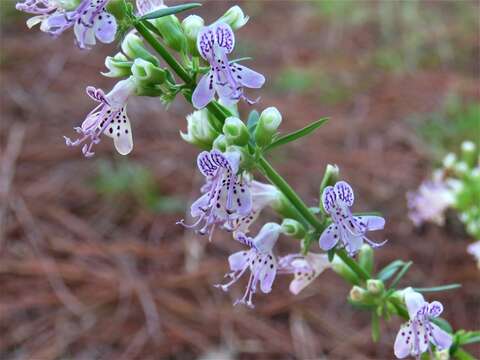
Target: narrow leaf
column 438, row 288
column 282, row 140
column 388, row 271
column 400, row 275
column 375, row 327
column 169, row 11
column 331, row 254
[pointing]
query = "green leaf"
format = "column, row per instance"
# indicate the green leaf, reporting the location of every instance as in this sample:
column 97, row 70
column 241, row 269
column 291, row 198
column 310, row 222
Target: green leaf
column 331, row 254
column 401, row 274
column 438, row 288
column 282, row 140
column 469, row 337
column 169, row 11
column 388, row 271
column 443, row 324
column 461, row 354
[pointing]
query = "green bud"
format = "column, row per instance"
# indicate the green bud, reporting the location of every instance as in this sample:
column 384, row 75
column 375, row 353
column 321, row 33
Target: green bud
column 172, row 33
column 469, row 153
column 148, row 74
column 357, row 294
column 118, row 66
column 220, row 143
column 235, row 131
column 375, row 287
column 234, row 17
column 365, row 258
column 199, row 130
column 191, row 26
column 461, row 168
column 268, row 123
column 330, row 177
column 293, row 228
column 132, row 46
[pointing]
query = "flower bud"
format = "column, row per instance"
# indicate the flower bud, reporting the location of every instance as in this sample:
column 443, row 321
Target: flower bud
column 357, row 294
column 375, row 287
column 118, row 66
column 235, row 131
column 365, row 258
column 191, row 26
column 132, row 46
column 171, row 30
column 234, row 17
column 220, row 143
column 442, row 354
column 330, row 177
column 148, row 74
column 293, row 228
column 268, row 123
column 199, row 130
column 469, row 153
column 449, row 160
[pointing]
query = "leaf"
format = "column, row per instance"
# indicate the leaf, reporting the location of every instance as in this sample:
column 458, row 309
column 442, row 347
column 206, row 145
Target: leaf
column 169, row 11
column 438, row 288
column 252, row 120
column 470, row 337
column 443, row 324
column 401, row 274
column 388, row 271
column 331, row 254
column 282, row 140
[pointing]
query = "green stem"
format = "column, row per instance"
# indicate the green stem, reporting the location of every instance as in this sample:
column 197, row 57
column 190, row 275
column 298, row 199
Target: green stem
column 352, row 264
column 275, row 178
column 169, row 59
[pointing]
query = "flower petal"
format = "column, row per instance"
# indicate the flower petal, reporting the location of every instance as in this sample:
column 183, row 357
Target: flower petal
column 247, row 77
column 344, row 193
column 105, row 27
column 239, row 260
column 329, row 237
column 414, row 302
column 267, row 237
column 121, row 132
column 435, row 308
column 198, row 207
column 268, row 273
column 204, row 92
column 224, row 36
column 371, row 223
column 403, row 342
column 440, row 338
column 329, row 198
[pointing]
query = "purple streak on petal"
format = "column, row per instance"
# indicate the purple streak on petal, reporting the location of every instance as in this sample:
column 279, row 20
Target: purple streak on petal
column 224, row 36
column 435, row 308
column 414, row 302
column 344, row 193
column 204, row 92
column 329, row 198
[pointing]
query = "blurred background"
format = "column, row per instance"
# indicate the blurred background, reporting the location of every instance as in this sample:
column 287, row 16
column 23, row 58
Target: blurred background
column 92, row 265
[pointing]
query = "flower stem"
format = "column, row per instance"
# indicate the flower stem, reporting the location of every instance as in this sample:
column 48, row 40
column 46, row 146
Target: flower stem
column 275, row 178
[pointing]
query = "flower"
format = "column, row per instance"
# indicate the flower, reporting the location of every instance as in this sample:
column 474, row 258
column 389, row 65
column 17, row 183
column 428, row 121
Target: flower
column 226, row 78
column 350, row 229
column 225, row 194
column 109, row 118
column 430, row 201
column 415, row 336
column 259, row 259
column 262, row 196
column 474, row 249
column 89, row 19
column 305, row 269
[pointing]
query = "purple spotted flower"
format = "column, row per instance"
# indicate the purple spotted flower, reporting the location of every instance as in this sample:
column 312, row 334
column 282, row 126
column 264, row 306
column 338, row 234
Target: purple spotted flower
column 108, row 118
column 225, row 197
column 260, row 260
column 262, row 196
column 90, row 20
column 415, row 336
column 349, row 229
column 304, row 268
column 226, row 78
